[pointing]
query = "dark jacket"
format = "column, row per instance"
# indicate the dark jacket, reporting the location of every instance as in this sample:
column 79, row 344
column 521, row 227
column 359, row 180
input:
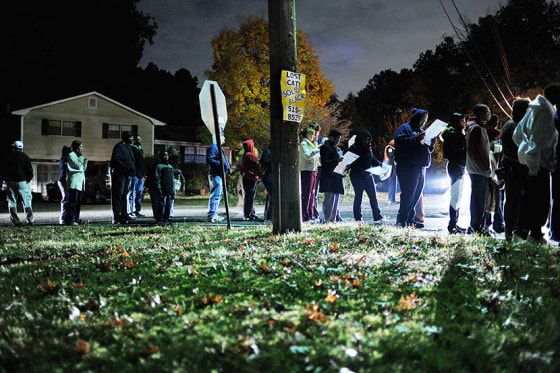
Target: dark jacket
column 266, row 163
column 139, row 165
column 409, row 150
column 122, row 160
column 213, row 161
column 509, row 148
column 454, row 146
column 163, row 179
column 18, row 167
column 330, row 182
column 366, row 159
column 63, row 174
column 250, row 163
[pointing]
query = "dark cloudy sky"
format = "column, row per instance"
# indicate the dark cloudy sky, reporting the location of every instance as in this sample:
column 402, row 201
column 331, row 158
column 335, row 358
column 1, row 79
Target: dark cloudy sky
column 355, row 39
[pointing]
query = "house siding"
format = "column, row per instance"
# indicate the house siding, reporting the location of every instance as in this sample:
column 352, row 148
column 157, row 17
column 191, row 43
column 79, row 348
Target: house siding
column 96, row 148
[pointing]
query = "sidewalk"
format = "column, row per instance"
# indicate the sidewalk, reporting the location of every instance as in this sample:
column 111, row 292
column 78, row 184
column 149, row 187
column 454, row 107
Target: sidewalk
column 435, row 210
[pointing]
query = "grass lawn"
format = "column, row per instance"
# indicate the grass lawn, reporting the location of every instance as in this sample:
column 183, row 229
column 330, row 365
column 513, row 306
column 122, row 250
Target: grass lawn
column 343, row 298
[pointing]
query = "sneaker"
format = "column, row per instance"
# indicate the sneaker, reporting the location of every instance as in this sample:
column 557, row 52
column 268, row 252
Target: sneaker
column 131, row 217
column 215, row 219
column 139, row 215
column 381, row 220
column 417, row 225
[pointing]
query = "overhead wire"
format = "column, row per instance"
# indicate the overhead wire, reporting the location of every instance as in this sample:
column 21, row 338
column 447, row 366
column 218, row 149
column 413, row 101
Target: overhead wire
column 473, row 62
column 465, row 25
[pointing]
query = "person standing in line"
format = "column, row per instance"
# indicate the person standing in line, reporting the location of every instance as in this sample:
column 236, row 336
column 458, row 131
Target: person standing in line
column 331, row 183
column 63, row 184
column 361, row 179
column 308, row 165
column 17, row 174
column 554, row 230
column 250, row 167
column 455, row 151
column 514, row 172
column 266, row 172
column 178, row 177
column 237, row 168
column 389, row 157
column 494, row 206
column 479, row 167
column 164, row 189
column 77, row 165
column 137, row 180
column 412, row 157
column 536, row 137
column 215, row 180
column 318, row 140
column 122, row 168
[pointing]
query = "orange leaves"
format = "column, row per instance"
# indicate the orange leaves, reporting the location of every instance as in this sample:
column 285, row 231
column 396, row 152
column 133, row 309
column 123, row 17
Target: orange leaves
column 150, row 351
column 314, row 314
column 116, row 322
column 409, row 302
column 334, row 247
column 49, row 287
column 331, row 296
column 82, row 347
column 210, row 300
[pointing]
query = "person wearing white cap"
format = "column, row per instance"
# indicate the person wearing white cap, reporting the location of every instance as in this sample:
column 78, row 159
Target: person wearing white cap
column 17, row 173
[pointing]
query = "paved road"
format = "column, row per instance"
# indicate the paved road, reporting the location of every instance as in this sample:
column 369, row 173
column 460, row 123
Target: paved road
column 435, row 210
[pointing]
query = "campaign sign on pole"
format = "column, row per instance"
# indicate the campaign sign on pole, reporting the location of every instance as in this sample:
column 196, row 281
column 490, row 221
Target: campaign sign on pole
column 293, row 95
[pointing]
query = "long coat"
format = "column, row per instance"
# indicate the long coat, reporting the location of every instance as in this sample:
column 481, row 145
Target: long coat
column 330, row 182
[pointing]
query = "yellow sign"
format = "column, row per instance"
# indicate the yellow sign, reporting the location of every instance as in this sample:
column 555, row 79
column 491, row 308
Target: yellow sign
column 293, row 95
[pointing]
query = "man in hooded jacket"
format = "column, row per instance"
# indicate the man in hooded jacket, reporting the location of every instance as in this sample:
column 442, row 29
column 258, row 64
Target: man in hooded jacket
column 412, row 156
column 537, row 137
column 250, row 166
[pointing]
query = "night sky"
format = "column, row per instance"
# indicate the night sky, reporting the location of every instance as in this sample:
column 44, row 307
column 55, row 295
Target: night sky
column 355, row 39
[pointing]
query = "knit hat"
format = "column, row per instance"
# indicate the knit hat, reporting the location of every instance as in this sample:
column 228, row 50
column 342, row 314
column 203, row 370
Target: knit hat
column 18, row 145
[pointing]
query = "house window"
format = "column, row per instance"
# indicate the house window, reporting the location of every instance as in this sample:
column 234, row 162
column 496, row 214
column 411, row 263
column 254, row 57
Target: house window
column 195, row 154
column 114, row 131
column 52, row 127
column 92, row 103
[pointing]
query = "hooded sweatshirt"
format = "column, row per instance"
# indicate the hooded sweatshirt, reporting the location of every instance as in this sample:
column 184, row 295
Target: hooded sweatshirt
column 537, row 137
column 366, row 158
column 409, row 150
column 250, row 162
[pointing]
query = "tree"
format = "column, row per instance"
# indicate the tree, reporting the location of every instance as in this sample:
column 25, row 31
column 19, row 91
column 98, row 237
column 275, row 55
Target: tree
column 241, row 67
column 65, row 46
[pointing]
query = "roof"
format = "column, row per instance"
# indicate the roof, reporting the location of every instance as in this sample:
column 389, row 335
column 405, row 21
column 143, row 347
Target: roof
column 23, row 112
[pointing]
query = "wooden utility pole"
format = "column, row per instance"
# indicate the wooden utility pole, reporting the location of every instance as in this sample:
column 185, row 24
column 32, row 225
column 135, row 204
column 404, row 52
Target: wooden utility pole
column 284, row 144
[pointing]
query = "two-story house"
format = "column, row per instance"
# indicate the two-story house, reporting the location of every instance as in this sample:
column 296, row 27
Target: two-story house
column 94, row 119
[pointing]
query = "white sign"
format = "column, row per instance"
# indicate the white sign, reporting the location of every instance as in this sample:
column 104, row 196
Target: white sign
column 206, row 112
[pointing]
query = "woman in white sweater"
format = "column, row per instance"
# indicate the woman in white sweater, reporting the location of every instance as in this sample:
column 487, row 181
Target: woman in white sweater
column 308, row 165
column 77, row 165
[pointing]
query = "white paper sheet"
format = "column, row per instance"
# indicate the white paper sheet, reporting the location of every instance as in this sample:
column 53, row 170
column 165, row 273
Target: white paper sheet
column 433, row 131
column 348, row 158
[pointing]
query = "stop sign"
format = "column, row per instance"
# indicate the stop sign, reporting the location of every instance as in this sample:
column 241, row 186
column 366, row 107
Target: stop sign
column 205, row 98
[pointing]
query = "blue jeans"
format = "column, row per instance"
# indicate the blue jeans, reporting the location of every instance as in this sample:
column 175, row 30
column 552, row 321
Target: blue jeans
column 215, row 182
column 135, row 195
column 411, row 180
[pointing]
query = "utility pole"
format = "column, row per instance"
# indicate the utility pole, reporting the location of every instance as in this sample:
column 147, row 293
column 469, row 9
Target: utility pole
column 284, row 144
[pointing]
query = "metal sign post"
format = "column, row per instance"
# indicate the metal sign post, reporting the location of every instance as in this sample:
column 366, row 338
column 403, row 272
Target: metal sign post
column 215, row 117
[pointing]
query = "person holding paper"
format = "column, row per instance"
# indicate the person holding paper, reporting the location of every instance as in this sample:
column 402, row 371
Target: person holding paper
column 454, row 150
column 361, row 179
column 331, row 183
column 412, row 156
column 308, row 164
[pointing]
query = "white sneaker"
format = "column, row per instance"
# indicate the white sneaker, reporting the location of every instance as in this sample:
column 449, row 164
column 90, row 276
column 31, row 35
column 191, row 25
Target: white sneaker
column 215, row 219
column 380, row 221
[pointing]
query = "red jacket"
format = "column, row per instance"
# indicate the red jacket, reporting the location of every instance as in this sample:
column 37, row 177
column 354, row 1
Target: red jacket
column 250, row 162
